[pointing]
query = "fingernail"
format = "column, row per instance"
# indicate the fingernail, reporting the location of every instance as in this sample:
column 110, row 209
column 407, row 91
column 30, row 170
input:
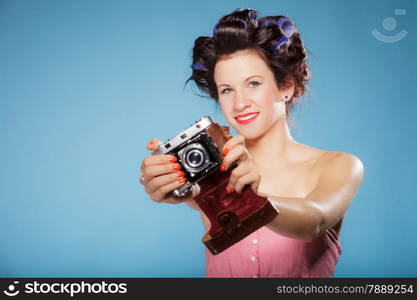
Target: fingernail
column 180, row 174
column 225, row 151
column 229, row 190
column 173, row 159
column 149, row 145
column 222, row 167
column 182, row 180
column 176, row 167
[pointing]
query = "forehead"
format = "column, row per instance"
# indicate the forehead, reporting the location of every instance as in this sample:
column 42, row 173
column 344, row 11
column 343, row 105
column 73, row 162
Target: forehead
column 239, row 66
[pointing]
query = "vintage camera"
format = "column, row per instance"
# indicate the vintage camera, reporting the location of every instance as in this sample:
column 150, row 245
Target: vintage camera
column 232, row 216
column 197, row 152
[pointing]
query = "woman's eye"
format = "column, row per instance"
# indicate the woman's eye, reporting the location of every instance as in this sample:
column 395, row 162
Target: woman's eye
column 255, row 82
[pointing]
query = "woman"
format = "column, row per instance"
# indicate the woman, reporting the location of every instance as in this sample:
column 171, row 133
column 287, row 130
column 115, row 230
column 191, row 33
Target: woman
column 256, row 70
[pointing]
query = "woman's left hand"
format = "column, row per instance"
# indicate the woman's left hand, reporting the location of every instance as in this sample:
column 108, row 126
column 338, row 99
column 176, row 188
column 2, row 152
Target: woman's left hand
column 246, row 172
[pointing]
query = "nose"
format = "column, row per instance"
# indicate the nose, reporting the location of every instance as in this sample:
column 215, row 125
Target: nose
column 240, row 102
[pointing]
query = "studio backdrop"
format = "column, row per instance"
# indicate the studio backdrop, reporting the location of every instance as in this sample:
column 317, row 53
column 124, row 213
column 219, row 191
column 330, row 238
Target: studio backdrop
column 85, row 85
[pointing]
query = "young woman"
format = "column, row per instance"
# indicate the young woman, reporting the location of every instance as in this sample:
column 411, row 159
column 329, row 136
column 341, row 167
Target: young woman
column 256, row 69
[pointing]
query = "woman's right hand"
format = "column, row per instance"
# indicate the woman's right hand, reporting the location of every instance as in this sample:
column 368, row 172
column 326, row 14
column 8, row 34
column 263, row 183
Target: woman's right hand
column 161, row 174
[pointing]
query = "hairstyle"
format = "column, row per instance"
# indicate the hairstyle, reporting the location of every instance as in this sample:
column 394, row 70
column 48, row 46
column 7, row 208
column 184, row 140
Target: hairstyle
column 274, row 38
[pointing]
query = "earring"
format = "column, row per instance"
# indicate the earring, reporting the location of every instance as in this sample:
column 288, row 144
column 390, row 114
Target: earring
column 286, row 97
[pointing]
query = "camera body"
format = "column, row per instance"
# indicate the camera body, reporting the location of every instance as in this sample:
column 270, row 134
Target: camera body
column 232, row 216
column 196, row 151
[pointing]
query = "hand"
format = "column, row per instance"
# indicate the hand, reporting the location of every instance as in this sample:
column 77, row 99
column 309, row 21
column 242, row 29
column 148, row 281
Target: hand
column 161, row 174
column 246, row 172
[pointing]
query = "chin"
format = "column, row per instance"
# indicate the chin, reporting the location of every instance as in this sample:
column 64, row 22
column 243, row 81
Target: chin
column 250, row 132
column 251, row 135
column 255, row 130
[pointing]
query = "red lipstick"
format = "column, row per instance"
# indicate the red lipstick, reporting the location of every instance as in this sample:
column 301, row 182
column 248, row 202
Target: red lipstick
column 246, row 118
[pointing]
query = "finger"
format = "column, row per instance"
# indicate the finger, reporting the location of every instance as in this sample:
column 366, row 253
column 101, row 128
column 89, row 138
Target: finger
column 238, row 172
column 157, row 159
column 226, row 131
column 153, row 144
column 162, row 192
column 157, row 182
column 237, row 153
column 231, row 143
column 249, row 178
column 157, row 170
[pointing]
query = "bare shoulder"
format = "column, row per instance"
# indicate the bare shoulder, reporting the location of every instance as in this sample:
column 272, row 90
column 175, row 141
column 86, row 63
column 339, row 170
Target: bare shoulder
column 340, row 160
column 334, row 165
column 322, row 160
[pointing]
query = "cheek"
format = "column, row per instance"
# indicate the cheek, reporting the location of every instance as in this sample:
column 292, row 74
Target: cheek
column 269, row 105
column 226, row 109
column 266, row 100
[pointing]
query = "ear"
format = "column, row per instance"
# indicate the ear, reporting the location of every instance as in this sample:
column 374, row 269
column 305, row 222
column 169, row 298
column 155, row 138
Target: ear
column 287, row 88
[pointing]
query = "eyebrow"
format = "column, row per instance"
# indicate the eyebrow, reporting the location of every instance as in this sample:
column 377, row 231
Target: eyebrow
column 225, row 84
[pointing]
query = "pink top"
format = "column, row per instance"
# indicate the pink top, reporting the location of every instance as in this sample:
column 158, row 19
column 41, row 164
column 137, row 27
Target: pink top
column 267, row 254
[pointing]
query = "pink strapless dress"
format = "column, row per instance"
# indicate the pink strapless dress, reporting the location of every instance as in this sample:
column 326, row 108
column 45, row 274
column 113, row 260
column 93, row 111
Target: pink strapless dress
column 265, row 253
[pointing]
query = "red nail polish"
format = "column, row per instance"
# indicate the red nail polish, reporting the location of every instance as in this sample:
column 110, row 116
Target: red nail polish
column 173, row 159
column 225, row 151
column 229, row 190
column 222, row 167
column 182, row 180
column 180, row 174
column 176, row 167
column 149, row 145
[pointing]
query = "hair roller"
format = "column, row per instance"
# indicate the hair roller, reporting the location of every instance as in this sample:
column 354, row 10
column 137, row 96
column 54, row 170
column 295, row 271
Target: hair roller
column 286, row 26
column 198, row 66
column 268, row 22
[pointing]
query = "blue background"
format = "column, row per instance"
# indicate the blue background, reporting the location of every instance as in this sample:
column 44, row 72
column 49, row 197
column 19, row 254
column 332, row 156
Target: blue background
column 84, row 85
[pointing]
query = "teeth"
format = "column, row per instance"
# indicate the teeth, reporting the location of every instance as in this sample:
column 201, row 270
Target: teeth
column 246, row 117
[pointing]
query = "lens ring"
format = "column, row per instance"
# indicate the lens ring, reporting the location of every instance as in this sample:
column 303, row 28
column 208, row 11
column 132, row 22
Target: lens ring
column 195, row 158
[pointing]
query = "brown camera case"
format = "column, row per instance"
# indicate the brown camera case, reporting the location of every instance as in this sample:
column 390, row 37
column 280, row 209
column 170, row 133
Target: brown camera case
column 232, row 216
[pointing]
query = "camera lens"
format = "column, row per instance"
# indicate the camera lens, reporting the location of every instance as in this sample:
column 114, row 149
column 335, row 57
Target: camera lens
column 195, row 158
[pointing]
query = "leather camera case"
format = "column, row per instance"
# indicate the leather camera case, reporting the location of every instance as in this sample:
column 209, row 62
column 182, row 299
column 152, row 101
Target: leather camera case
column 232, row 216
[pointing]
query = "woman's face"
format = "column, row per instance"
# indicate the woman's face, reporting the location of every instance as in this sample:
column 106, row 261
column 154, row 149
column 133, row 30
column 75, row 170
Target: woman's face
column 248, row 95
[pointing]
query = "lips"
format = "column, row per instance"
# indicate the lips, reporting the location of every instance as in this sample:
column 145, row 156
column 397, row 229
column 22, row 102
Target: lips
column 246, row 118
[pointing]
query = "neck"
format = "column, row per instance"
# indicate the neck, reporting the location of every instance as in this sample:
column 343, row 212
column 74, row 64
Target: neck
column 272, row 148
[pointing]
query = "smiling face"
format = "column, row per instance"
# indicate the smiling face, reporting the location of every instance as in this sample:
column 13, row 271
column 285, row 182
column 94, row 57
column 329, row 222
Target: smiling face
column 248, row 95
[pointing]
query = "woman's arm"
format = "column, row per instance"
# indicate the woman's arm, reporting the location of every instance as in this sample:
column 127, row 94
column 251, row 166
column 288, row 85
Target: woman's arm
column 306, row 218
column 191, row 203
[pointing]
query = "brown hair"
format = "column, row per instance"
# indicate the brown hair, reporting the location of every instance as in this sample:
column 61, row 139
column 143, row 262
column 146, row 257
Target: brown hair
column 275, row 38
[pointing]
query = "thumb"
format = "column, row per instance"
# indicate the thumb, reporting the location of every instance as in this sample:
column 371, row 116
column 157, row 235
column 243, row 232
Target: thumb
column 153, row 144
